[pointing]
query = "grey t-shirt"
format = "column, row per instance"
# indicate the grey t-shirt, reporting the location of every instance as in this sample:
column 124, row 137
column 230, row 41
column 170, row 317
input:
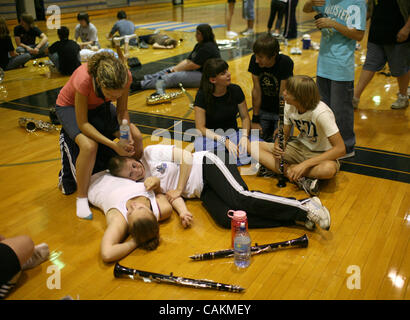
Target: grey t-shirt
column 86, row 34
column 123, row 27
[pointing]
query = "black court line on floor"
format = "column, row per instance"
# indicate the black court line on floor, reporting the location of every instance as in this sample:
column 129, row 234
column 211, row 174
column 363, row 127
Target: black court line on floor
column 367, row 161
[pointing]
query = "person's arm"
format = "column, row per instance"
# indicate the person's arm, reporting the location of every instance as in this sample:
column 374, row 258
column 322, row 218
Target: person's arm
column 17, row 39
column 164, row 207
column 338, row 150
column 308, row 7
column 200, row 122
column 180, row 207
column 246, row 126
column 43, row 41
column 185, row 65
column 184, row 159
column 404, row 32
column 112, row 247
column 81, row 112
column 350, row 33
column 256, row 103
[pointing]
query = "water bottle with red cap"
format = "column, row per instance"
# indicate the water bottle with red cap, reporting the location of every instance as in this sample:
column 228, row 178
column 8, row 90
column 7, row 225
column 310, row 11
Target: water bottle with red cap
column 237, row 217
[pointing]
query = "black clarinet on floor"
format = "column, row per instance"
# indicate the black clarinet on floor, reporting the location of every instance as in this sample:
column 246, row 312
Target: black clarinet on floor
column 120, row 271
column 301, row 242
column 282, row 179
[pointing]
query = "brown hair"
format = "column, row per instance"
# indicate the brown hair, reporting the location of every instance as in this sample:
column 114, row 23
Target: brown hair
column 27, row 18
column 266, row 45
column 145, row 231
column 115, row 165
column 110, row 71
column 304, row 90
column 4, row 31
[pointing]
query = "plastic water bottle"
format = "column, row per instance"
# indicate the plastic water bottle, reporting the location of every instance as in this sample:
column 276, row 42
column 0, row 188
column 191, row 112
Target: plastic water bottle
column 160, row 86
column 237, row 217
column 124, row 131
column 242, row 247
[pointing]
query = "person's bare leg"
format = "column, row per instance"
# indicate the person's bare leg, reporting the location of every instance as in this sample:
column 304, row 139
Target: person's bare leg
column 84, row 167
column 231, row 7
column 323, row 171
column 22, row 246
column 365, row 77
column 403, row 82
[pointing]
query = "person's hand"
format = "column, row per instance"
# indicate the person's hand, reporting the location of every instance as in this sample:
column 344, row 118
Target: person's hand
column 296, row 172
column 243, row 144
column 173, row 194
column 186, row 219
column 403, row 34
column 33, row 51
column 231, row 147
column 277, row 151
column 152, row 183
column 324, row 23
column 124, row 149
column 318, row 3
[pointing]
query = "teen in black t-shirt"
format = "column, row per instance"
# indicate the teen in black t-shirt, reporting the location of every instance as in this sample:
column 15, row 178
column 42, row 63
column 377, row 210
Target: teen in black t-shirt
column 188, row 71
column 65, row 53
column 9, row 59
column 25, row 35
column 217, row 104
column 270, row 70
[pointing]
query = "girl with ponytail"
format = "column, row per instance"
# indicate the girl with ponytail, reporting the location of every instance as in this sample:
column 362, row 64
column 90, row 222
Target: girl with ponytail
column 90, row 123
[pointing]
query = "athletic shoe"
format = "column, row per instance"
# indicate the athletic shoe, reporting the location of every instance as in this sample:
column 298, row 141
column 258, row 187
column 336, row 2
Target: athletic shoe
column 40, row 254
column 231, row 34
column 143, row 45
column 317, row 213
column 310, row 225
column 401, row 102
column 6, row 288
column 355, row 102
column 248, row 32
column 311, row 186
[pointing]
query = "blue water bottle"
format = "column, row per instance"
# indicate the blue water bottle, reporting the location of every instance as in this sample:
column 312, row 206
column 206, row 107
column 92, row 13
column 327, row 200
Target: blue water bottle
column 242, row 247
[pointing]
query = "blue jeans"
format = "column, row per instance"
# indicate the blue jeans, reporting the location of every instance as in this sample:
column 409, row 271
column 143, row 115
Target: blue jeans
column 338, row 95
column 17, row 61
column 189, row 79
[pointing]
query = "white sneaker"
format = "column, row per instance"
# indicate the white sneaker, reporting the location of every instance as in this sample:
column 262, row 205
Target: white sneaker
column 318, row 213
column 231, row 34
column 40, row 254
column 355, row 102
column 247, row 32
column 401, row 102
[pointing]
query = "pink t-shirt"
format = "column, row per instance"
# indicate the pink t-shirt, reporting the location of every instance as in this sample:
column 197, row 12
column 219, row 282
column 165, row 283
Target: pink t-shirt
column 82, row 82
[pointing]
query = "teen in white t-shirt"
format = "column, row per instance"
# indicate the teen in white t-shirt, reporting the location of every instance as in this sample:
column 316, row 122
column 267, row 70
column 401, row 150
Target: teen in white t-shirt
column 313, row 154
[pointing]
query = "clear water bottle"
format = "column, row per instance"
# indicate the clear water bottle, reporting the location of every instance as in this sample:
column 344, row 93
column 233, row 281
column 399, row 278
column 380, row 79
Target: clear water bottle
column 242, row 247
column 160, row 86
column 124, row 131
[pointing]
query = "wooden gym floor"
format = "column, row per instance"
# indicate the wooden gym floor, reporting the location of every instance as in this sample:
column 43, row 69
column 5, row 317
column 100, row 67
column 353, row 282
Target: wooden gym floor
column 369, row 200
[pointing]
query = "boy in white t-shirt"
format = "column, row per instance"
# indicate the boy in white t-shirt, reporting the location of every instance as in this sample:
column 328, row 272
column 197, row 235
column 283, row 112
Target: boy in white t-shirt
column 313, row 154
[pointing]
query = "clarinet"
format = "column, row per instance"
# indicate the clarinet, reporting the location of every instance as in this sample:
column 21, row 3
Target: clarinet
column 282, row 179
column 190, row 98
column 301, row 242
column 121, row 271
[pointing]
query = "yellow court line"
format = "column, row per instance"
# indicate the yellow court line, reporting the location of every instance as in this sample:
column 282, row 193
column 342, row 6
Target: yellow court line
column 366, row 165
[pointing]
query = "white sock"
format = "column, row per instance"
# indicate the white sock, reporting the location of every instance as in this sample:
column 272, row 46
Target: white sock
column 83, row 210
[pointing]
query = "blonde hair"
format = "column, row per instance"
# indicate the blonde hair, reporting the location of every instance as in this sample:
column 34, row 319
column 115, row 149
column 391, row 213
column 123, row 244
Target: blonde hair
column 110, row 71
column 304, row 90
column 4, row 30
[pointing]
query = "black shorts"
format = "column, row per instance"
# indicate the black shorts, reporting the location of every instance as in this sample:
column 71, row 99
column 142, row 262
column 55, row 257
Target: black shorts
column 231, row 1
column 9, row 265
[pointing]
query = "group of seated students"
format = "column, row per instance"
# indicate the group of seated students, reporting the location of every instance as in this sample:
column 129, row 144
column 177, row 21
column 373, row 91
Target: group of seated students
column 66, row 55
column 142, row 186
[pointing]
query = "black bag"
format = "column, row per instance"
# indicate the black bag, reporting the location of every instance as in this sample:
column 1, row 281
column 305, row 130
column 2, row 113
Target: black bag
column 53, row 116
column 134, row 62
